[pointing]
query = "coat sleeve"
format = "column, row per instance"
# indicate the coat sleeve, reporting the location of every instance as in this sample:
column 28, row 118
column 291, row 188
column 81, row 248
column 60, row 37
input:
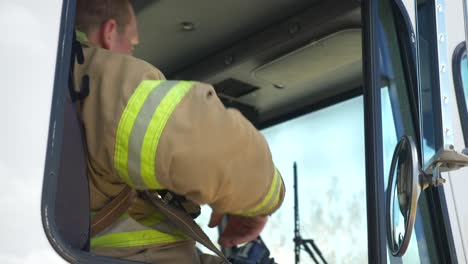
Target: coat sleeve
column 215, row 156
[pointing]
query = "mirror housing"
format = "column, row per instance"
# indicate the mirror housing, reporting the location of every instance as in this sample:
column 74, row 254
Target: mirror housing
column 405, row 183
column 402, row 195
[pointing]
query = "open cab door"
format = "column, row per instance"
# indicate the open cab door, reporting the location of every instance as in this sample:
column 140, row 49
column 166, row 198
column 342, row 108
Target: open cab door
column 407, row 113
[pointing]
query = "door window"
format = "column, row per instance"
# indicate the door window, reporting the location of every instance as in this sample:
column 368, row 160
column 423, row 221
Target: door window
column 328, row 146
column 460, row 72
column 400, row 113
column 417, row 251
column 464, row 75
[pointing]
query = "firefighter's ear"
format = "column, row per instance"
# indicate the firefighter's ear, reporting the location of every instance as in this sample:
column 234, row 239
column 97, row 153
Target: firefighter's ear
column 108, row 34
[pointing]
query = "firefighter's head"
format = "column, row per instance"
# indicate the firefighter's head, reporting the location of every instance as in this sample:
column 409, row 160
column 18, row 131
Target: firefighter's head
column 110, row 24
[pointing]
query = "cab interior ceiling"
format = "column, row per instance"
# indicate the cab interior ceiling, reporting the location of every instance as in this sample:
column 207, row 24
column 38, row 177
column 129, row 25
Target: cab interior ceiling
column 267, row 58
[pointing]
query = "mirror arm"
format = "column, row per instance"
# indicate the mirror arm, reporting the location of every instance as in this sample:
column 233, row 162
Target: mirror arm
column 435, row 179
column 445, row 160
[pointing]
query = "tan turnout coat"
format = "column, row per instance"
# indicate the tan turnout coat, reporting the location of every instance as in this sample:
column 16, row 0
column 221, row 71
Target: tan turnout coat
column 210, row 154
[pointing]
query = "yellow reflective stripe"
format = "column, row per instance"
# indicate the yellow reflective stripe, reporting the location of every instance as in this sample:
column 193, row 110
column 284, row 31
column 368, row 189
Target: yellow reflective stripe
column 136, row 238
column 81, row 36
column 153, row 219
column 126, row 124
column 270, row 201
column 154, row 132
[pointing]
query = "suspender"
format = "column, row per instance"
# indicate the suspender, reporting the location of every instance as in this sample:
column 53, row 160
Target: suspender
column 122, row 202
column 112, row 211
column 184, row 222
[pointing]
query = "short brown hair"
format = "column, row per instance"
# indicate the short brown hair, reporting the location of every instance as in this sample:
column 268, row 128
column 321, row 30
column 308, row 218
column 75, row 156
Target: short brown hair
column 91, row 14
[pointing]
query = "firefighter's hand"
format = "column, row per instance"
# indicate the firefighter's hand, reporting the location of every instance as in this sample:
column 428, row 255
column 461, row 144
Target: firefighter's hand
column 239, row 229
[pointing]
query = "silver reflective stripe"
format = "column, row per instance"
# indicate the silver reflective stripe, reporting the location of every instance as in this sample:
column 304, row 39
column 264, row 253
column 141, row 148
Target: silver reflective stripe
column 274, row 199
column 128, row 224
column 139, row 129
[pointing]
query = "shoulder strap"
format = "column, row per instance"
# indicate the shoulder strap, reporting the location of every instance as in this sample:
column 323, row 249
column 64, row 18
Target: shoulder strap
column 184, row 222
column 112, row 211
column 120, row 204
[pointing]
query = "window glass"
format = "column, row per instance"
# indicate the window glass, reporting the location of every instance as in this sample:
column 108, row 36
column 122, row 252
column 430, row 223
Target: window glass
column 460, row 74
column 428, row 78
column 328, row 146
column 399, row 105
column 417, row 249
column 464, row 75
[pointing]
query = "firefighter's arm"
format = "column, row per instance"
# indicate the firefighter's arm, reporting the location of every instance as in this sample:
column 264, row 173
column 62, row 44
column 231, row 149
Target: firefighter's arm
column 215, row 156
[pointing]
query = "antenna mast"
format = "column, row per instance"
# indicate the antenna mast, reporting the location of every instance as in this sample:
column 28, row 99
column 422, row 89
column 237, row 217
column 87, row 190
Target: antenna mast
column 298, row 241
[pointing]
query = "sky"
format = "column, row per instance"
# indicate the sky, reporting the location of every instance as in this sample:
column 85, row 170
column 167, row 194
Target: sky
column 28, row 52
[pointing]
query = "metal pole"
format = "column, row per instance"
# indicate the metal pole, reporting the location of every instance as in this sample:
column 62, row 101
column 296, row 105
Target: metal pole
column 297, row 235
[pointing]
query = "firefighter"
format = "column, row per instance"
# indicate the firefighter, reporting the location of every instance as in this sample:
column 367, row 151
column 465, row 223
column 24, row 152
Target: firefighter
column 149, row 133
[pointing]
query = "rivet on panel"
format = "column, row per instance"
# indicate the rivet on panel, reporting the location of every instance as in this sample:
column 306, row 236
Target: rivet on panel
column 441, row 38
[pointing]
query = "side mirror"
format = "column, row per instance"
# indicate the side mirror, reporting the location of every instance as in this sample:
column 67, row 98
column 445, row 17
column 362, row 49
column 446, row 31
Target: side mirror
column 405, row 183
column 402, row 195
